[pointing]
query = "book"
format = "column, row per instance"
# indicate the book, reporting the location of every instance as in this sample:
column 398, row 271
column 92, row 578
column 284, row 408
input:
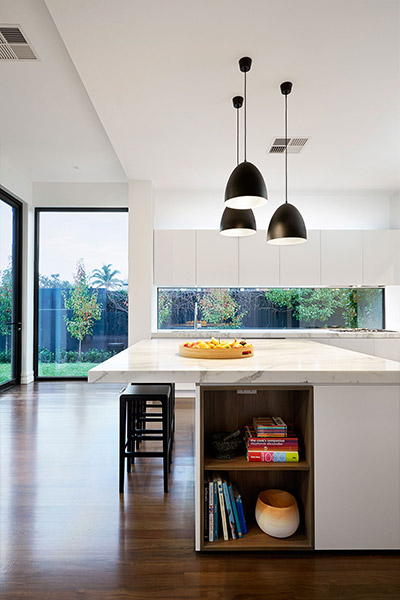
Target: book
column 290, row 442
column 235, row 512
column 272, row 456
column 229, row 511
column 211, row 510
column 206, row 517
column 222, row 507
column 215, row 485
column 269, row 426
column 239, row 505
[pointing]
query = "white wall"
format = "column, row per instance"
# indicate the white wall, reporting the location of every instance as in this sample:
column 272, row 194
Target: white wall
column 85, row 195
column 203, row 210
column 395, row 211
column 13, row 181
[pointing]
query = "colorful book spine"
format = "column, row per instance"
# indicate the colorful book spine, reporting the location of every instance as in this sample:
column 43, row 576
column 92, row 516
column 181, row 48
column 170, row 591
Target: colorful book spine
column 239, row 506
column 229, row 511
column 215, row 510
column 211, row 511
column 206, row 516
column 272, row 456
column 291, row 442
column 235, row 512
column 222, row 508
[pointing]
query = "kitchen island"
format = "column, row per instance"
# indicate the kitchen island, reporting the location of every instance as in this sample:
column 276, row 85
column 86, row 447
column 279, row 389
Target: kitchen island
column 344, row 405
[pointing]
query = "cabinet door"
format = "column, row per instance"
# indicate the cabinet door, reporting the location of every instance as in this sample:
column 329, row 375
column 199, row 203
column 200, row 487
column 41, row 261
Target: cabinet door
column 357, row 467
column 258, row 261
column 301, row 264
column 381, row 257
column 174, row 258
column 341, row 257
column 217, row 259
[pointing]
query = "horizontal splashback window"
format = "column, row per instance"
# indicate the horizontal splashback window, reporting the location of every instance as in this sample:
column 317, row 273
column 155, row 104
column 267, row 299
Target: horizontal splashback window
column 270, row 308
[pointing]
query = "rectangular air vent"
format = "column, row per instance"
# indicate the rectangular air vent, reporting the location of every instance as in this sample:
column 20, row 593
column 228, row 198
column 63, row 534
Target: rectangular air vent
column 13, row 44
column 295, row 145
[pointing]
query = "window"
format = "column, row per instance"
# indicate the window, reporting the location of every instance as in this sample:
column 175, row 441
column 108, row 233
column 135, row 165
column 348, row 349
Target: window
column 270, row 308
column 81, row 289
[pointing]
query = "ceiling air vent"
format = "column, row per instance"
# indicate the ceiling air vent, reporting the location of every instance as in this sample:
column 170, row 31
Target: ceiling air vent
column 295, row 145
column 13, row 44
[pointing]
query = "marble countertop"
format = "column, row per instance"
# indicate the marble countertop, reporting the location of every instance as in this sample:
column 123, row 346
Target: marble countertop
column 275, row 361
column 271, row 333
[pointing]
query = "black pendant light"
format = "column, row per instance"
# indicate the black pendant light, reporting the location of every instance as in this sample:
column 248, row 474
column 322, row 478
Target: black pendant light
column 246, row 186
column 286, row 226
column 234, row 222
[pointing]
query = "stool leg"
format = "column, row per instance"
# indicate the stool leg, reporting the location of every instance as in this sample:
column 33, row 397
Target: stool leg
column 165, row 444
column 122, row 440
column 129, row 435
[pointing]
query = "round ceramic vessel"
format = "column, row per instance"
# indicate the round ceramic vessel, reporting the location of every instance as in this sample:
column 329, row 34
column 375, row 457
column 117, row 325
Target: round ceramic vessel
column 277, row 513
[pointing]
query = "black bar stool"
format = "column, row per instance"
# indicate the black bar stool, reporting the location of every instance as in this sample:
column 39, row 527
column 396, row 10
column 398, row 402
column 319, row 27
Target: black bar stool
column 133, row 419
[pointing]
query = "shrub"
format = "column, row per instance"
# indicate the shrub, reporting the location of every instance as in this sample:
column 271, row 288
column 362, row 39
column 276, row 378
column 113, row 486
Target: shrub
column 5, row 356
column 94, row 355
column 71, row 356
column 45, row 356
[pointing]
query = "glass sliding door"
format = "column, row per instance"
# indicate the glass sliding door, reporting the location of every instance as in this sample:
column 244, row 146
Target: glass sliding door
column 10, row 290
column 81, row 289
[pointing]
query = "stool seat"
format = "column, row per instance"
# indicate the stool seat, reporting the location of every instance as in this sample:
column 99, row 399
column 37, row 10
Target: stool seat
column 148, row 391
column 133, row 419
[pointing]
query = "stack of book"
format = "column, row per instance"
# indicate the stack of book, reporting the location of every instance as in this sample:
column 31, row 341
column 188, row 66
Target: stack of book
column 269, row 427
column 223, row 509
column 271, row 446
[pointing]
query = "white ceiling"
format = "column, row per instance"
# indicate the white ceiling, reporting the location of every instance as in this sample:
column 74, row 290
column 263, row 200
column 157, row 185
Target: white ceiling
column 161, row 74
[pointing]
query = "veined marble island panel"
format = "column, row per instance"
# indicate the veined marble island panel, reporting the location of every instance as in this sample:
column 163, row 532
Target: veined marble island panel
column 275, row 361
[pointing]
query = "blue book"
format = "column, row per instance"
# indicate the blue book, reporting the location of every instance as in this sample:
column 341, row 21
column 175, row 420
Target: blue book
column 235, row 512
column 229, row 511
column 215, row 510
column 239, row 506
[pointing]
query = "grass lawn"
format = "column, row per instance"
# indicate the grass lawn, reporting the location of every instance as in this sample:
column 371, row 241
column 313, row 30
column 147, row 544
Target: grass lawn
column 5, row 372
column 65, row 369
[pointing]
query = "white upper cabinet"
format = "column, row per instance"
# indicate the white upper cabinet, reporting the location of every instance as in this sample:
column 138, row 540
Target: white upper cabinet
column 381, row 259
column 174, row 258
column 341, row 257
column 217, row 259
column 301, row 263
column 258, row 261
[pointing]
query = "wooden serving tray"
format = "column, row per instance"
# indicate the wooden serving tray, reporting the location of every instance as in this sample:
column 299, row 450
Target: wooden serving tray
column 216, row 352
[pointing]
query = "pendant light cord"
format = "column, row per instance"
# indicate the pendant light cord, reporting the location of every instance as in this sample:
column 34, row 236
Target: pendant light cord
column 245, row 117
column 237, row 137
column 286, row 143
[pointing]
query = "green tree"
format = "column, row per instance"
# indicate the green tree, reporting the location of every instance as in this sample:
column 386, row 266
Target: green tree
column 6, row 302
column 309, row 305
column 106, row 278
column 218, row 307
column 164, row 307
column 84, row 306
column 53, row 281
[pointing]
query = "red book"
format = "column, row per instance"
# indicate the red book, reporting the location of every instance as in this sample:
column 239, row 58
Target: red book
column 272, row 456
column 291, row 442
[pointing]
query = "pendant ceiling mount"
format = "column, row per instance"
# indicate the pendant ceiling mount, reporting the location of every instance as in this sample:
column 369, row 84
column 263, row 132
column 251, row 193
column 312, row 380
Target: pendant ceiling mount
column 287, row 225
column 246, row 186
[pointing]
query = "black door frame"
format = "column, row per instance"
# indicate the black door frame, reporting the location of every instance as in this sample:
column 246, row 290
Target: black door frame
column 39, row 210
column 16, row 348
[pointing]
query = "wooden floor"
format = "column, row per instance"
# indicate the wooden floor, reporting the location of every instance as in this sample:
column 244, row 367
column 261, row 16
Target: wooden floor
column 67, row 534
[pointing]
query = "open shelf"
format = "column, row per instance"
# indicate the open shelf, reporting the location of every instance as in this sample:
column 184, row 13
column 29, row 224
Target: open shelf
column 228, row 408
column 240, row 463
column 255, row 539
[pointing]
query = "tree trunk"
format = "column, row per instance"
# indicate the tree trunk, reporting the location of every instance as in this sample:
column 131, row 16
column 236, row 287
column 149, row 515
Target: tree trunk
column 80, row 351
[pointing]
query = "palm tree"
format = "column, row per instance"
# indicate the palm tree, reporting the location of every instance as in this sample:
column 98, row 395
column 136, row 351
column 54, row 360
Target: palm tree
column 106, row 278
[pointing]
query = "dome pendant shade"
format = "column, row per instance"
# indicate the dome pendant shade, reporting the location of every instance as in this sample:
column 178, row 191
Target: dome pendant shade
column 286, row 226
column 245, row 188
column 237, row 223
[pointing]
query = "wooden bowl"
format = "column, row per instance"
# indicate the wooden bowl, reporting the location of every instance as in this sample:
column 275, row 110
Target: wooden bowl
column 216, row 352
column 277, row 513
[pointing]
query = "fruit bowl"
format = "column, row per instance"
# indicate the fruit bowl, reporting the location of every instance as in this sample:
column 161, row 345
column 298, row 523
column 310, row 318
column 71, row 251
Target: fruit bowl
column 218, row 349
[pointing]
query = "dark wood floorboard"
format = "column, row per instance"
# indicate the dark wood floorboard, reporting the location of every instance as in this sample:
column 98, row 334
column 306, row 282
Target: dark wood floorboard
column 66, row 533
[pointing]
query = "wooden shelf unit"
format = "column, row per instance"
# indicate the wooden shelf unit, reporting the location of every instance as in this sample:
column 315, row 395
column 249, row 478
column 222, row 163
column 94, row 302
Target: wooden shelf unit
column 229, row 408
